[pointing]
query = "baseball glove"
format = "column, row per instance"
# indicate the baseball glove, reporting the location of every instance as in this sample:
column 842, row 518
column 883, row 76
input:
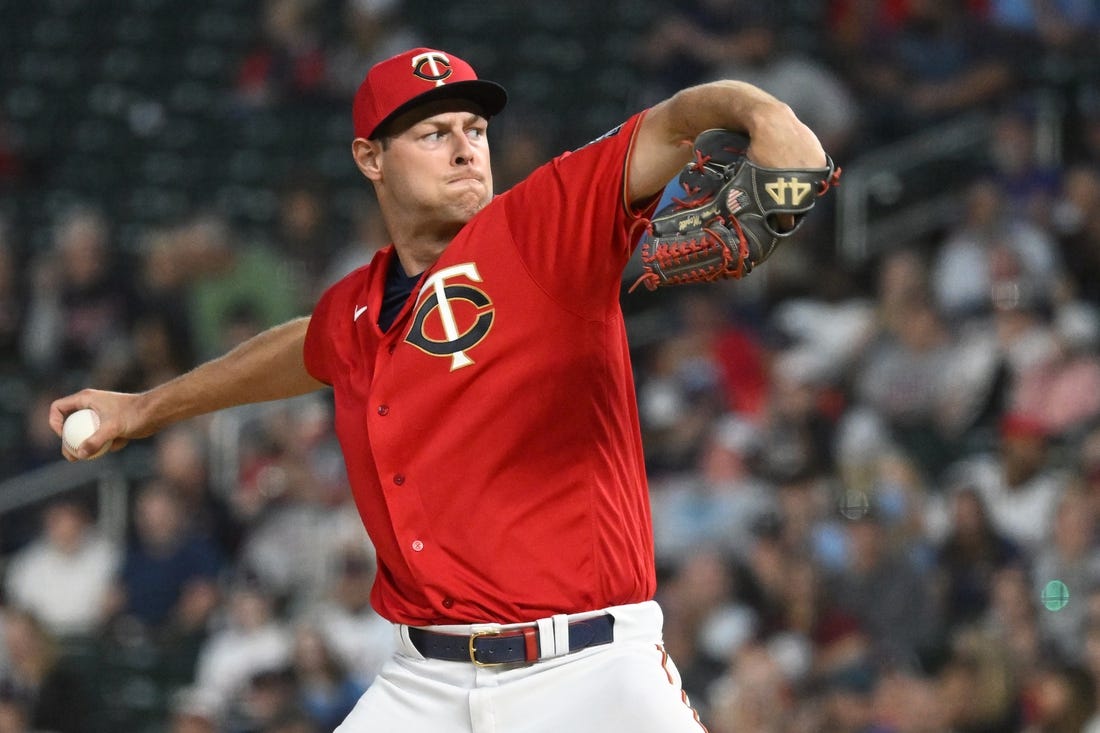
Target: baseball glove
column 729, row 219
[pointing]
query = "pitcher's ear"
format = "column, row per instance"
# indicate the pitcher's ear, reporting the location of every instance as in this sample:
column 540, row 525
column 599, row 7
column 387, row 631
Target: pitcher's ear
column 367, row 156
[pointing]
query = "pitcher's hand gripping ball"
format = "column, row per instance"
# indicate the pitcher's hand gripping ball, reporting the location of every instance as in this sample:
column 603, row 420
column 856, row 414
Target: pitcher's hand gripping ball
column 78, row 427
column 730, row 218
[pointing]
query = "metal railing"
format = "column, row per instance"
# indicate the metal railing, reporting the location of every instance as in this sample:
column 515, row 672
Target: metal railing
column 109, row 478
column 883, row 178
column 901, row 192
column 112, row 478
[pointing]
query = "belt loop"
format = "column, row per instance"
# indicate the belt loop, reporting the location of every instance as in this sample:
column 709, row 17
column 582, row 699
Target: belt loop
column 405, row 642
column 561, row 634
column 546, row 638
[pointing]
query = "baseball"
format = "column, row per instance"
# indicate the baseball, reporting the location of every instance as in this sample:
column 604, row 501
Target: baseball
column 78, row 427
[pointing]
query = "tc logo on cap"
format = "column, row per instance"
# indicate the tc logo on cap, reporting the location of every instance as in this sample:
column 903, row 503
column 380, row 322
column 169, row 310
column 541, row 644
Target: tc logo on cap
column 432, row 66
column 389, row 89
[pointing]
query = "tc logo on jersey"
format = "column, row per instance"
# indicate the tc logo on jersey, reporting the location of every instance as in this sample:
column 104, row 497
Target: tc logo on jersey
column 432, row 66
column 451, row 318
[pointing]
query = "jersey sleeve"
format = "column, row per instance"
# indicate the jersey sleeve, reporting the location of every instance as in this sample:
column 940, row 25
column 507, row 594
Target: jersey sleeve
column 317, row 351
column 571, row 222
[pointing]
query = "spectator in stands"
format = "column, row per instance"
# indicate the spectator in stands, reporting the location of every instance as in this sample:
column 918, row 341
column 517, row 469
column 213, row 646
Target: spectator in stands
column 901, row 279
column 162, row 288
column 1072, row 557
column 1017, row 482
column 907, row 700
column 181, row 461
column 717, row 502
column 799, row 424
column 979, row 689
column 710, row 367
column 1085, row 461
column 1084, row 145
column 14, row 377
column 304, row 235
column 995, row 353
column 807, row 618
column 251, row 640
column 988, row 243
column 269, row 703
column 370, row 31
column 705, row 600
column 361, row 639
column 231, row 278
column 853, row 24
column 153, row 355
column 294, row 722
column 849, row 697
column 1062, row 390
column 887, row 592
column 1047, row 30
column 754, row 696
column 1063, row 699
column 1011, row 624
column 733, row 39
column 1023, row 169
column 685, row 42
column 193, row 711
column 168, row 579
column 936, row 63
column 326, row 688
column 767, row 569
column 808, row 521
column 287, row 66
column 368, row 235
column 760, row 55
column 1021, row 331
column 81, row 305
column 37, row 448
column 969, row 557
column 300, row 522
column 1075, row 221
column 12, row 302
column 1090, row 641
column 64, row 576
column 58, row 699
column 15, row 709
column 12, row 165
column 903, row 379
column 524, row 144
column 901, row 492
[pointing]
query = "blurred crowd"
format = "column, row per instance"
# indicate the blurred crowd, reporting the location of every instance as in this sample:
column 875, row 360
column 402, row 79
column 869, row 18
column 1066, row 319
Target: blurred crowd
column 875, row 485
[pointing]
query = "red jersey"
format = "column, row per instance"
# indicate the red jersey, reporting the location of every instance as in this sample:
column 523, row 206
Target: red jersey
column 491, row 433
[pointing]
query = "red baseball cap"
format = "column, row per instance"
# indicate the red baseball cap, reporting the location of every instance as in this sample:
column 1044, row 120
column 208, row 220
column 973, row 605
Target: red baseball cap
column 413, row 78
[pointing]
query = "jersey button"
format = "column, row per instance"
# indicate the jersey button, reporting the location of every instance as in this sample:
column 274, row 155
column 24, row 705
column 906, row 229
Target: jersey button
column 383, row 410
column 448, row 602
column 391, row 347
column 399, row 478
column 417, row 545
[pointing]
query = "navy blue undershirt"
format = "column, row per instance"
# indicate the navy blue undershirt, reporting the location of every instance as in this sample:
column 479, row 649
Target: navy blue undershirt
column 396, row 292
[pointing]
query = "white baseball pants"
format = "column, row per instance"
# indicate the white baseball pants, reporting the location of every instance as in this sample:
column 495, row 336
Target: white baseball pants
column 629, row 685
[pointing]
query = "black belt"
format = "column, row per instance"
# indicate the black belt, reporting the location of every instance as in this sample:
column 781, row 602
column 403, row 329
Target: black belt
column 487, row 648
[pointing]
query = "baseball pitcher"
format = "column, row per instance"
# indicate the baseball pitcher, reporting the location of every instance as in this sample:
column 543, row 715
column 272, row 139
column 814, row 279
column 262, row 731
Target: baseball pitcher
column 483, row 389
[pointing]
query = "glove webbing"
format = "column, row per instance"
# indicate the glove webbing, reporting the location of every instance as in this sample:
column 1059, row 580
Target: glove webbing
column 692, row 261
column 684, row 255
